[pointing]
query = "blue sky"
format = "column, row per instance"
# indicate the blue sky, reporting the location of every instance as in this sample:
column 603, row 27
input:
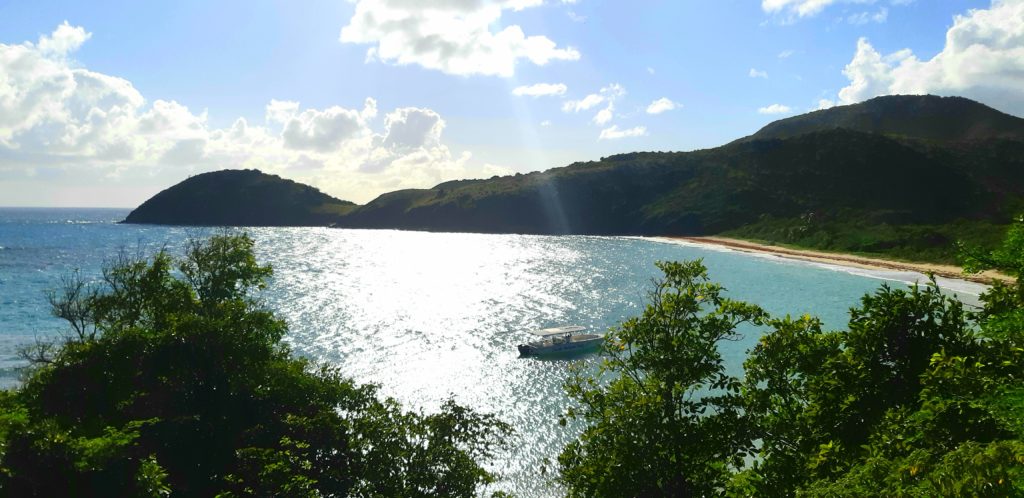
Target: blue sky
column 175, row 78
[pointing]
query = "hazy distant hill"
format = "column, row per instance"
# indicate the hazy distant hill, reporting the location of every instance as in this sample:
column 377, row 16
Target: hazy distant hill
column 240, row 198
column 903, row 176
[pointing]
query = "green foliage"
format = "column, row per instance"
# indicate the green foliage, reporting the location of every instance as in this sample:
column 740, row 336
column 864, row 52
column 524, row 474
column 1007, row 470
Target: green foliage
column 917, row 397
column 857, row 233
column 835, row 404
column 664, row 418
column 174, row 380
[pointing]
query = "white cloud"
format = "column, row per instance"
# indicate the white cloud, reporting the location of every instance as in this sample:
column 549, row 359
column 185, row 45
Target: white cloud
column 453, row 36
column 609, row 93
column 650, row 70
column 304, row 162
column 799, row 8
column 325, row 130
column 412, row 128
column 865, row 17
column 791, row 10
column 545, row 123
column 662, row 105
column 614, row 133
column 785, row 54
column 583, row 104
column 604, row 115
column 756, row 73
column 57, row 115
column 775, row 109
column 280, row 111
column 540, row 89
column 64, row 40
column 825, row 104
column 983, row 59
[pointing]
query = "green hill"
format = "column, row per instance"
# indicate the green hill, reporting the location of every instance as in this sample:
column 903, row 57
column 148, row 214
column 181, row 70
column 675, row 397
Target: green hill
column 239, row 198
column 900, row 176
column 925, row 117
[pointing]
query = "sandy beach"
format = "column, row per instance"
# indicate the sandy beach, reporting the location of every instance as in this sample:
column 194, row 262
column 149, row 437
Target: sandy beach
column 946, row 271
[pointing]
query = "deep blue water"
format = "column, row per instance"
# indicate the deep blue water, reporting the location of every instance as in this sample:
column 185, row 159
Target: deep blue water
column 425, row 315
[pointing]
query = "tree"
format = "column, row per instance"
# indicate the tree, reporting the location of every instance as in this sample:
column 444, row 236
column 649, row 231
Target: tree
column 174, row 380
column 663, row 416
column 824, row 402
column 919, row 396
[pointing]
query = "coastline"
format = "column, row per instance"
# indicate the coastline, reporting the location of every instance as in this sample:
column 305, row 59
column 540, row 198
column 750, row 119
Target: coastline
column 945, row 272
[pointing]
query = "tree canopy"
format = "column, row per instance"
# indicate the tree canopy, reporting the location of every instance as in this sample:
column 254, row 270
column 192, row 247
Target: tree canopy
column 173, row 380
column 919, row 396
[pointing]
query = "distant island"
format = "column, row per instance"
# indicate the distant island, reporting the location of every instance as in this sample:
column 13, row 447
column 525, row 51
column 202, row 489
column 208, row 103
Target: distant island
column 901, row 176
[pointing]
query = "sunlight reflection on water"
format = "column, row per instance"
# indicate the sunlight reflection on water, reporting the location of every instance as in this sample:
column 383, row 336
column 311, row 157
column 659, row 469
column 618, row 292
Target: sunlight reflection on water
column 429, row 315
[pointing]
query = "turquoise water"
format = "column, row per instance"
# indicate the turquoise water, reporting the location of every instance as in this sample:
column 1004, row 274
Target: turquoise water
column 425, row 315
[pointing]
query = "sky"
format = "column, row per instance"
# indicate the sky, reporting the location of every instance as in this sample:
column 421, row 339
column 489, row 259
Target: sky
column 105, row 103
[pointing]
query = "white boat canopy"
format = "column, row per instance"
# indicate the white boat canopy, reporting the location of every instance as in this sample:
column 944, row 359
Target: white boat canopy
column 558, row 330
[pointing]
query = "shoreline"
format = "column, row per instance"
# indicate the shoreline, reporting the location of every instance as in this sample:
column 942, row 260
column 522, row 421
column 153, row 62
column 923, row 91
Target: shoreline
column 843, row 260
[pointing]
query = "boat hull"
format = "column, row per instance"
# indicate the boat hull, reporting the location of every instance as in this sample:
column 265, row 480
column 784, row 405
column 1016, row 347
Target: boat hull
column 578, row 345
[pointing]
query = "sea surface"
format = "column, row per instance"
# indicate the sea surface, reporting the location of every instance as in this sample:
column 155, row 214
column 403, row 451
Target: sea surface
column 429, row 316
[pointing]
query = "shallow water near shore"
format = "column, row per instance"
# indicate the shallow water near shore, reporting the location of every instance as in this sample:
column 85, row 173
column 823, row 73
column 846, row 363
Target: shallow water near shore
column 427, row 315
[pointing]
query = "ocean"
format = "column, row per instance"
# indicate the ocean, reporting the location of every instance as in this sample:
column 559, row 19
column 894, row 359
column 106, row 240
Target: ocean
column 431, row 315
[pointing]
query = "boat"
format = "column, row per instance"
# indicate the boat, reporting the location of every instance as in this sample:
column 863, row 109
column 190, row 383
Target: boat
column 561, row 340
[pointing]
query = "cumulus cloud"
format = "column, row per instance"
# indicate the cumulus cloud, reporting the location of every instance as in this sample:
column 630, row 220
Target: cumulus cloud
column 662, row 105
column 775, row 109
column 325, row 130
column 983, row 59
column 56, row 114
column 757, row 73
column 452, row 36
column 412, row 128
column 540, row 90
column 614, row 133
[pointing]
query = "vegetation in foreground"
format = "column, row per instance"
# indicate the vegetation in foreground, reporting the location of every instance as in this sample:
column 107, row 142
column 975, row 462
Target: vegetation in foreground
column 918, row 397
column 173, row 381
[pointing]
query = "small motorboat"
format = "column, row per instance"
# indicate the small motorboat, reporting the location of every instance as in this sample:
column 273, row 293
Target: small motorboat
column 561, row 340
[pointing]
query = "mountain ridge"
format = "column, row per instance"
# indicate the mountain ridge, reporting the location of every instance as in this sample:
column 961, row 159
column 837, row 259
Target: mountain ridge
column 831, row 179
